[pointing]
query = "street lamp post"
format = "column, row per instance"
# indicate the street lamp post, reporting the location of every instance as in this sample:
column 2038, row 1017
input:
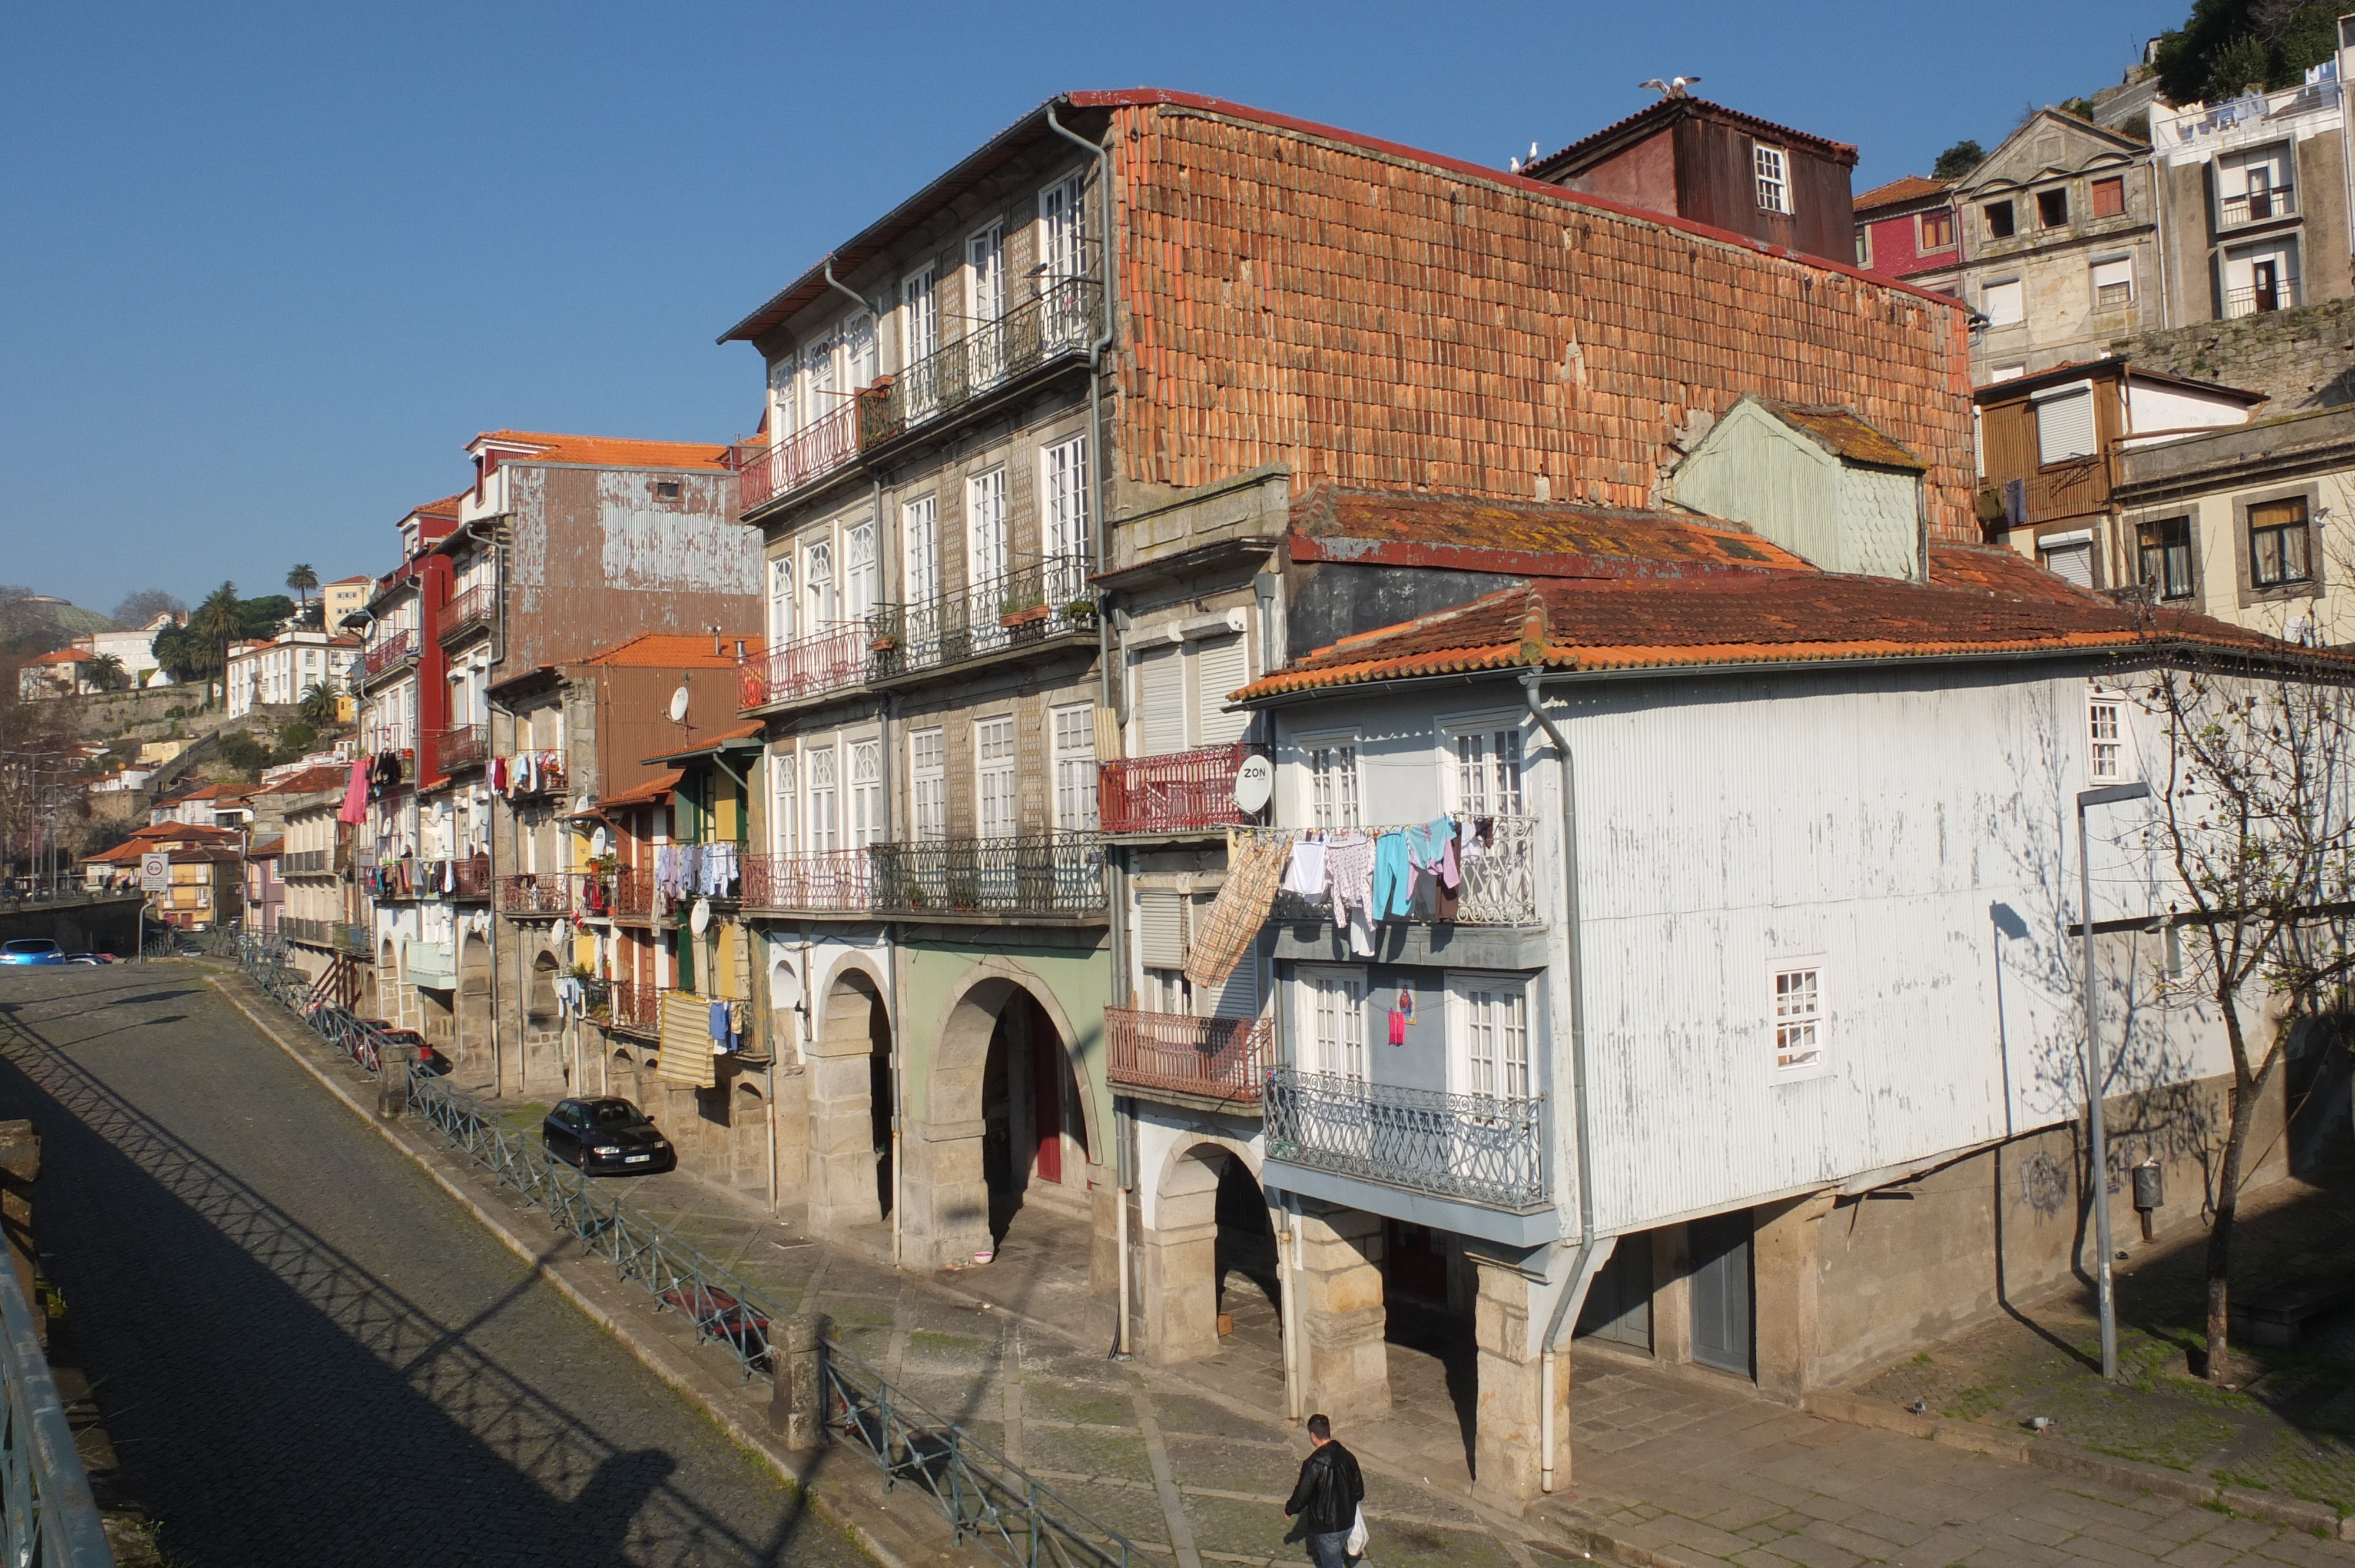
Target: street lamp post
column 2105, row 1297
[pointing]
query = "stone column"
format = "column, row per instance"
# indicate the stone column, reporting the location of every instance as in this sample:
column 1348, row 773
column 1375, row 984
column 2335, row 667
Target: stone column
column 1342, row 1315
column 1180, row 1285
column 1671, row 1294
column 1786, row 1262
column 839, row 1082
column 1505, row 1450
column 948, row 1200
column 798, row 1370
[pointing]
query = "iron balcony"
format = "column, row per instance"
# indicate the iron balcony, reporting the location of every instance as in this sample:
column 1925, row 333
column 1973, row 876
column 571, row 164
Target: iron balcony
column 1177, row 792
column 1059, row 324
column 1045, row 600
column 1053, row 876
column 634, row 1007
column 1499, row 886
column 543, row 893
column 1477, row 1149
column 822, row 881
column 466, row 611
column 462, row 745
column 390, row 651
column 835, row 659
column 1195, row 1058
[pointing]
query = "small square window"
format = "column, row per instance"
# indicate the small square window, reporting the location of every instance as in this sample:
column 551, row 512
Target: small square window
column 2109, row 197
column 1772, row 166
column 2166, row 555
column 1863, row 245
column 2052, row 208
column 1999, row 222
column 1938, row 230
column 2105, row 740
column 1798, row 1019
column 2277, row 542
column 668, row 488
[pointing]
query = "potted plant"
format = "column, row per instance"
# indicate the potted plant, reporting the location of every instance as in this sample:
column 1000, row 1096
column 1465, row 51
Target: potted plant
column 1024, row 611
column 1078, row 611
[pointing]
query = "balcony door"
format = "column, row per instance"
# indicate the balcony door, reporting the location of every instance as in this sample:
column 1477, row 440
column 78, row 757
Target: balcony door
column 985, row 266
column 984, row 558
column 860, row 576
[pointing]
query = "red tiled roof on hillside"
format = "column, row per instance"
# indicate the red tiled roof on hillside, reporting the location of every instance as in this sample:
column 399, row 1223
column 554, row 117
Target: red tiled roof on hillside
column 673, row 650
column 1899, row 191
column 614, row 451
column 311, row 781
column 268, row 849
column 1520, row 538
column 1979, row 601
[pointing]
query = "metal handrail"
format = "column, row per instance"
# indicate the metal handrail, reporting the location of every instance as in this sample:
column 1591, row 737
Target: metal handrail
column 469, row 609
column 2253, row 301
column 49, row 1518
column 2258, row 207
column 1226, row 1058
column 1174, row 792
column 821, row 881
column 987, row 1497
column 537, row 892
column 398, row 648
column 834, row 660
column 1485, row 1149
column 461, row 745
column 1046, row 874
column 1062, row 320
column 1051, row 597
column 1499, row 885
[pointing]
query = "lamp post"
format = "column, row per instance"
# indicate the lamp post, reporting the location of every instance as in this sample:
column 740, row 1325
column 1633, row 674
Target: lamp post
column 2105, row 1298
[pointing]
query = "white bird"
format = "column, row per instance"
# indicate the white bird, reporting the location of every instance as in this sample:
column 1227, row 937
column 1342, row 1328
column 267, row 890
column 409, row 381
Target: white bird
column 1672, row 87
column 1516, row 166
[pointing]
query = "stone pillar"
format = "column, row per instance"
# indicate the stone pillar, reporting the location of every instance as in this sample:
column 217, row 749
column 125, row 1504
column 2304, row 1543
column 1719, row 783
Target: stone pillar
column 1671, row 1294
column 948, row 1200
column 839, row 1082
column 1507, row 1457
column 1342, row 1315
column 1180, row 1285
column 797, row 1371
column 1786, row 1262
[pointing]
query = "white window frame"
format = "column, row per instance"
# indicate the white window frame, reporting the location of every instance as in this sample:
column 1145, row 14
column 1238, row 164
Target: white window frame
column 2094, row 281
column 1335, row 1023
column 785, row 408
column 869, row 824
column 1063, row 230
column 920, row 315
column 784, row 798
column 1063, row 489
column 780, row 600
column 1491, row 1036
column 1770, row 168
column 928, row 784
column 996, row 776
column 822, row 816
column 1798, row 1036
column 824, row 398
column 862, row 349
column 817, row 580
column 2110, row 757
column 862, row 578
column 986, row 542
column 1484, row 766
column 1331, row 797
column 984, row 268
column 1073, row 729
column 2018, row 297
column 920, row 549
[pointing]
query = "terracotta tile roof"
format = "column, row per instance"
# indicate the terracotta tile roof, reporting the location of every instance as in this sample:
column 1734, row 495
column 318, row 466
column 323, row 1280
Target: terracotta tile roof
column 1979, row 601
column 653, row 792
column 615, row 451
column 1520, row 538
column 192, row 832
column 673, row 650
column 1843, row 434
column 1905, row 188
column 2119, row 364
column 709, row 744
column 446, row 507
column 268, row 849
column 311, row 781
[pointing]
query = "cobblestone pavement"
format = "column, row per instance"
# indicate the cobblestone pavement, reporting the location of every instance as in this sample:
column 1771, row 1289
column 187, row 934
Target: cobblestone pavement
column 306, row 1352
column 2287, row 1426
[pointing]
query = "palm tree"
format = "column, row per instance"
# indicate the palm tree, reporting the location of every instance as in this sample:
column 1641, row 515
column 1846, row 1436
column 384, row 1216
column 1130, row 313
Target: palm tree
column 302, row 579
column 106, row 672
column 320, row 705
column 218, row 622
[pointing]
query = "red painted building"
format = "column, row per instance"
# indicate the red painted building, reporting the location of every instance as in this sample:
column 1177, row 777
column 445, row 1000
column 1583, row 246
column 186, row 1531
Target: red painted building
column 1907, row 229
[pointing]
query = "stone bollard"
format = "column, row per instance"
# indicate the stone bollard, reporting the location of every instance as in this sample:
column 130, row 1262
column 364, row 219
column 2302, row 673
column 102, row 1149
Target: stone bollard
column 392, row 1081
column 797, row 1366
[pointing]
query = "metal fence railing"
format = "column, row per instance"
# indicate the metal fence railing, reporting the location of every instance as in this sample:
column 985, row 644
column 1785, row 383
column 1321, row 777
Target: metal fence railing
column 1485, row 1149
column 987, row 1498
column 1044, row 873
column 48, row 1517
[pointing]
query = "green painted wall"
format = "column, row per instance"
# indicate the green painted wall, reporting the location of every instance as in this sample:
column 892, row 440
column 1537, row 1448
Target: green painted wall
column 1080, row 979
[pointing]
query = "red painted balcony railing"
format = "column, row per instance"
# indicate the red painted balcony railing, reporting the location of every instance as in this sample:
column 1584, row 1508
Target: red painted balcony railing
column 833, row 882
column 633, row 892
column 1222, row 1058
column 1173, row 793
column 637, row 1007
column 458, row 878
column 537, row 892
column 469, row 609
column 766, row 473
column 463, row 746
column 395, row 648
column 834, row 660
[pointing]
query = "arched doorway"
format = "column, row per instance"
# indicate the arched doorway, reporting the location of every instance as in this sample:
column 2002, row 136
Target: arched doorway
column 473, row 1000
column 545, row 1063
column 748, row 1138
column 366, row 1004
column 850, row 1087
column 1209, row 1259
column 1007, row 1130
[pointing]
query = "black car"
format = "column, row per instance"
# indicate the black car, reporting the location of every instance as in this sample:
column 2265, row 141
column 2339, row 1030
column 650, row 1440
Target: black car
column 607, row 1135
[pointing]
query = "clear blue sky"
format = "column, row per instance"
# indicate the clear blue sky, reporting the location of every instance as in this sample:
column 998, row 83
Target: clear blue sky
column 269, row 267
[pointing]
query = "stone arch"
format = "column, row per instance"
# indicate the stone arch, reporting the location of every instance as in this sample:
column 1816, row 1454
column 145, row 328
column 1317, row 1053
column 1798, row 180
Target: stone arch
column 848, row 1078
column 365, row 1002
column 1189, row 1251
column 471, row 1000
column 622, row 1074
column 540, row 993
column 950, row 1218
column 748, row 1136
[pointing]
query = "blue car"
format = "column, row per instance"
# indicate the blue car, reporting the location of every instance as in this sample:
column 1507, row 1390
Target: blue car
column 37, row 950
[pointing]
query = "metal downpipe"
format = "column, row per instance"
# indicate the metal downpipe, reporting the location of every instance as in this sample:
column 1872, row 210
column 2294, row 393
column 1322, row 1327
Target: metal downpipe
column 1531, row 682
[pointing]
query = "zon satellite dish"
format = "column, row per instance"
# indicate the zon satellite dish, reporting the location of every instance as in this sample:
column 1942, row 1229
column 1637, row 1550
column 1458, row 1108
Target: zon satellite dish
column 599, row 842
column 678, row 705
column 698, row 921
column 1254, row 782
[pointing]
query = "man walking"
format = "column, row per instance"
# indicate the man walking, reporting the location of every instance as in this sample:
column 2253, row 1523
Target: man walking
column 1326, row 1496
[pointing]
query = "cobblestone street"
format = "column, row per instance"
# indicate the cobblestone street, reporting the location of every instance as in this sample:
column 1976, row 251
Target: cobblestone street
column 305, row 1354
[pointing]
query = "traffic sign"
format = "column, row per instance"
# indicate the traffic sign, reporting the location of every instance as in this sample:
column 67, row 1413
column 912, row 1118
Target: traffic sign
column 155, row 873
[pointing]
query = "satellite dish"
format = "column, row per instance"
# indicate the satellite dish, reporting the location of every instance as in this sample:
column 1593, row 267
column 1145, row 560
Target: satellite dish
column 784, row 985
column 563, row 933
column 678, row 705
column 1254, row 783
column 600, row 841
column 698, row 921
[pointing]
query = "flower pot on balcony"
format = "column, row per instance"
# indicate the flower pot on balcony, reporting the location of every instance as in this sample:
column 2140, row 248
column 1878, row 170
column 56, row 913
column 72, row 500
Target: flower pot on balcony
column 885, row 645
column 1031, row 616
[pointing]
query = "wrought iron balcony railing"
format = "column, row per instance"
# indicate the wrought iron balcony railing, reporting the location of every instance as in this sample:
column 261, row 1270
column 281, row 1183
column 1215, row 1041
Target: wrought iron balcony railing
column 2259, row 299
column 2258, row 207
column 1050, row 874
column 469, row 609
column 831, row 882
column 1064, row 319
column 1223, row 1058
column 1176, row 792
column 1482, row 1149
column 634, row 1006
column 835, row 659
column 1050, row 598
column 394, row 648
column 1499, row 886
column 537, row 893
column 462, row 745
column 633, row 892
column 468, row 878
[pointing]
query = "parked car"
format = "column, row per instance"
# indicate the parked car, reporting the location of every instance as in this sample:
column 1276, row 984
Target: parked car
column 92, row 959
column 32, row 950
column 607, row 1135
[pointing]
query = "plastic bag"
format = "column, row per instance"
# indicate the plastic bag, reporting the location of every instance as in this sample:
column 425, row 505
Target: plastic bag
column 1356, row 1546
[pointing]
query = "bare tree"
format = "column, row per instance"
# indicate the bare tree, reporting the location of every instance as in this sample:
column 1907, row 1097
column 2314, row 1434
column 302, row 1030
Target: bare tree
column 138, row 609
column 2253, row 808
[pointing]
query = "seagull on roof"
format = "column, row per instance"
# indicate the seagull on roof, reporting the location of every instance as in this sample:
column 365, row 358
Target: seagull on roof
column 1672, row 87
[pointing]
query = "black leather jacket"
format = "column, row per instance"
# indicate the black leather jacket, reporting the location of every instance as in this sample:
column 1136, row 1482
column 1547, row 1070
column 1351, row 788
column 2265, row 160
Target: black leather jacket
column 1329, row 1490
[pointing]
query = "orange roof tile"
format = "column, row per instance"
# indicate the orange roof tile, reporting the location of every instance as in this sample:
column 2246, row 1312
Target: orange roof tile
column 653, row 792
column 673, row 650
column 615, row 451
column 311, row 781
column 446, row 507
column 1979, row 601
column 1523, row 539
column 708, row 744
column 1905, row 188
column 268, row 849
